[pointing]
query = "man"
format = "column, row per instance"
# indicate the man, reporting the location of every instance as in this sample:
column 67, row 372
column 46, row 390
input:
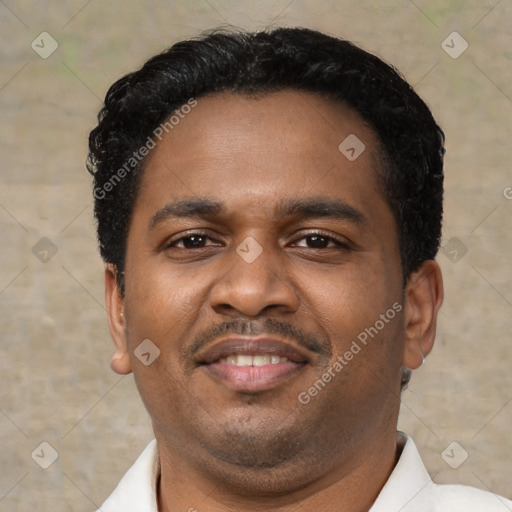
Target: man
column 269, row 209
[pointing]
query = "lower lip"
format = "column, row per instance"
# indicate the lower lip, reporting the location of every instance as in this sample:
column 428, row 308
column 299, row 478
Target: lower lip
column 253, row 378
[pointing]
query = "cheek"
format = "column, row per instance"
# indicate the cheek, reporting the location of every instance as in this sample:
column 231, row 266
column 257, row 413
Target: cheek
column 156, row 285
column 355, row 308
column 161, row 307
column 346, row 299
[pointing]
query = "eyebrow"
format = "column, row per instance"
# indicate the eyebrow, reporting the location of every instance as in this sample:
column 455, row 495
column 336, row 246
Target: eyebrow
column 304, row 207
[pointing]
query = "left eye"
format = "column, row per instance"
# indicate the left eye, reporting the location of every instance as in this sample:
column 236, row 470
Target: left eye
column 321, row 241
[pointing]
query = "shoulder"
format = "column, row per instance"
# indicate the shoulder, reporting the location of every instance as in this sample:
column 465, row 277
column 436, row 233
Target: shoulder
column 411, row 489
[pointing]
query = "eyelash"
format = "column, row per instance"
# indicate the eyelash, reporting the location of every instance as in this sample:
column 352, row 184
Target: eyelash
column 339, row 243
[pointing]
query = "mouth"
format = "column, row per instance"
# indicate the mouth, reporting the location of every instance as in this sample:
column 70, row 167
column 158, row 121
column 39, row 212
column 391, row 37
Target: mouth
column 251, row 364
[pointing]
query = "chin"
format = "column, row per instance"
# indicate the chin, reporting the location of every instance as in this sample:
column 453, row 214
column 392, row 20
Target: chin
column 258, row 477
column 259, row 463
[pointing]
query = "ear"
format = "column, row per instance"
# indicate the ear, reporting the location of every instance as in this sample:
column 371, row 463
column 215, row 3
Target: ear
column 115, row 311
column 423, row 297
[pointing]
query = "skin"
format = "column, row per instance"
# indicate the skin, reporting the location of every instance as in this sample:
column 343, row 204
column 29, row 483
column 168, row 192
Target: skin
column 226, row 450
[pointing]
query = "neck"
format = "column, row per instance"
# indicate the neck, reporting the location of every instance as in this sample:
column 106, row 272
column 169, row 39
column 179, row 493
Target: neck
column 349, row 484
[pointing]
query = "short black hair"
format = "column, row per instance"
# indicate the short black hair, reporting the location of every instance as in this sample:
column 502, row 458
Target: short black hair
column 239, row 62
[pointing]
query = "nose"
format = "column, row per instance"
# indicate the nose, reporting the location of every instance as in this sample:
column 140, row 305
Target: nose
column 250, row 286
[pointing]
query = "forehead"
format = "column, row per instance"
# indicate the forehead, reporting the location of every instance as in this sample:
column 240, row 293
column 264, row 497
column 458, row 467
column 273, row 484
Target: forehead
column 286, row 143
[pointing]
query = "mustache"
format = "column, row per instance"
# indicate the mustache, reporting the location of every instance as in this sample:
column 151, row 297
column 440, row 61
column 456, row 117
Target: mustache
column 320, row 344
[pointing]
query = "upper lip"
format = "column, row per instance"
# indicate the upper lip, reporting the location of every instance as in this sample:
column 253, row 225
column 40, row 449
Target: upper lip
column 252, row 346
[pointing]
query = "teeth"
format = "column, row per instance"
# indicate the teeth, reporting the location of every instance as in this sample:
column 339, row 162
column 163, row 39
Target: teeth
column 244, row 360
column 259, row 360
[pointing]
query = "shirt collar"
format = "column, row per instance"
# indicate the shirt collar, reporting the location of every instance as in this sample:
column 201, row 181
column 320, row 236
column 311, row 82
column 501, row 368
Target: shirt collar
column 408, row 479
column 136, row 491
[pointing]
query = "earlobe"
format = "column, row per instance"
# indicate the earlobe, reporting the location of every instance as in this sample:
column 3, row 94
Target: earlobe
column 423, row 298
column 115, row 311
column 120, row 363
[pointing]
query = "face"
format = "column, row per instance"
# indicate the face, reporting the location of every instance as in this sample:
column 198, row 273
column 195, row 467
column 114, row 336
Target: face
column 258, row 255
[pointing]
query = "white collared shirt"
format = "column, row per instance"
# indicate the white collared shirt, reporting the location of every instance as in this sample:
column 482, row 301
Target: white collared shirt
column 408, row 489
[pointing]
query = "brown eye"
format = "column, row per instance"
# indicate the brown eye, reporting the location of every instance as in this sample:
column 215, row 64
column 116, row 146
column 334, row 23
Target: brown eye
column 322, row 241
column 318, row 241
column 192, row 241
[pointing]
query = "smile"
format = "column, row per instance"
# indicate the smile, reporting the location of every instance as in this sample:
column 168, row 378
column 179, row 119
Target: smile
column 253, row 364
column 257, row 360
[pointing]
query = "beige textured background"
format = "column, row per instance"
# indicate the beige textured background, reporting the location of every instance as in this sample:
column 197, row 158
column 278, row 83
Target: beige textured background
column 56, row 384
